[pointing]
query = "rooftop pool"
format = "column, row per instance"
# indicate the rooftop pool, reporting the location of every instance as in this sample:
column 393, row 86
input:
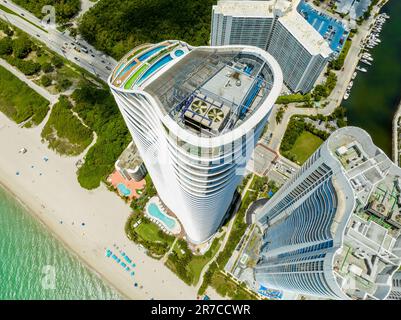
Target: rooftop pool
column 156, row 66
column 179, row 53
column 149, row 53
column 331, row 29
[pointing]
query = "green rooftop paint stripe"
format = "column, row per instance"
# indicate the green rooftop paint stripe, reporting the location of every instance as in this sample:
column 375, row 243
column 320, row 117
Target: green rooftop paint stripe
column 135, row 76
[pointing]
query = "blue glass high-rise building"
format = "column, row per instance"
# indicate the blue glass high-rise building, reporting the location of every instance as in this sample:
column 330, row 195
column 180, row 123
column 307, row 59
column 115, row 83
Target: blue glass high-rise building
column 333, row 230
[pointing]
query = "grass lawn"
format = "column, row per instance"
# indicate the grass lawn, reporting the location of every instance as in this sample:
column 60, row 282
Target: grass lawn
column 305, row 145
column 150, row 232
column 19, row 102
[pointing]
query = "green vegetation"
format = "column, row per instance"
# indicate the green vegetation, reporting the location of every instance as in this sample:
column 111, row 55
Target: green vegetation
column 97, row 108
column 339, row 115
column 34, row 59
column 305, row 145
column 45, row 81
column 296, row 127
column 280, row 114
column 324, row 90
column 116, row 27
column 138, row 205
column 227, row 286
column 291, row 98
column 19, row 102
column 64, row 131
column 65, row 9
column 368, row 12
column 320, row 91
column 338, row 63
column 188, row 266
column 148, row 235
column 214, row 275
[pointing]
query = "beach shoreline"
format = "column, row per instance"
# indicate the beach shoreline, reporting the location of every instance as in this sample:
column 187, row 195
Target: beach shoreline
column 38, row 219
column 86, row 222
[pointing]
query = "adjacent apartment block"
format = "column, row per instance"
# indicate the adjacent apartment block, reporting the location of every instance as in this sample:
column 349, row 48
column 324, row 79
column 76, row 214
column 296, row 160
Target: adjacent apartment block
column 395, row 293
column 333, row 230
column 195, row 115
column 300, row 38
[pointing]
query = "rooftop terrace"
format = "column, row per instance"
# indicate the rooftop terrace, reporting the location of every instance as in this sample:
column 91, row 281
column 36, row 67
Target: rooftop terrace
column 212, row 91
column 138, row 66
column 371, row 249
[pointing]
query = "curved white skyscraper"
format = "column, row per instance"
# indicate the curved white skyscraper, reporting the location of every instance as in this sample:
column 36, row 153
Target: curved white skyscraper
column 195, row 114
column 333, row 230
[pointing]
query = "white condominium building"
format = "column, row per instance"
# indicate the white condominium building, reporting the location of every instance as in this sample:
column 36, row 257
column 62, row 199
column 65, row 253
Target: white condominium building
column 242, row 22
column 278, row 27
column 333, row 230
column 195, row 114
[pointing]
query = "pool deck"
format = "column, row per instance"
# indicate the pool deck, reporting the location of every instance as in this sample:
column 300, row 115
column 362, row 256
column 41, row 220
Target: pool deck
column 333, row 30
column 133, row 70
column 116, row 178
column 155, row 200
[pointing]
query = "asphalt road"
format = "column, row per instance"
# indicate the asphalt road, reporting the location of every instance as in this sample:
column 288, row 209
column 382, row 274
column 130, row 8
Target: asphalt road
column 55, row 40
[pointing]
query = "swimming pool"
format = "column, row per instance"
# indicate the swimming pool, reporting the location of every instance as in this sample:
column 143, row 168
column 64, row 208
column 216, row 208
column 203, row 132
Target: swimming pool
column 331, row 29
column 150, row 52
column 123, row 189
column 155, row 212
column 179, row 53
column 160, row 63
column 129, row 66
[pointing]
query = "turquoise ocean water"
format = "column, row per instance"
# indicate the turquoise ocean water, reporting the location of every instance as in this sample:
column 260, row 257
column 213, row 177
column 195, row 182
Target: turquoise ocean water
column 35, row 265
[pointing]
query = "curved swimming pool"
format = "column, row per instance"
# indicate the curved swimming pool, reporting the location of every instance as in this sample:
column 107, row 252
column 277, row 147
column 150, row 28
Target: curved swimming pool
column 154, row 211
column 123, row 189
column 160, row 63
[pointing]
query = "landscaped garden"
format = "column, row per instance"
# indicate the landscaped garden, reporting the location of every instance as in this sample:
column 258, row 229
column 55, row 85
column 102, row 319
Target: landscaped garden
column 187, row 265
column 215, row 276
column 144, row 232
column 297, row 145
column 302, row 138
column 305, row 145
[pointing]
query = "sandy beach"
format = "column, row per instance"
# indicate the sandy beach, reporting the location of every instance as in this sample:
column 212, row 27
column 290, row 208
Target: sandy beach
column 87, row 222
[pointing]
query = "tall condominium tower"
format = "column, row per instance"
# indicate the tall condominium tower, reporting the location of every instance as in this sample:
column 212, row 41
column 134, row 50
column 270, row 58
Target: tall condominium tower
column 333, row 230
column 301, row 39
column 395, row 293
column 195, row 114
column 242, row 22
